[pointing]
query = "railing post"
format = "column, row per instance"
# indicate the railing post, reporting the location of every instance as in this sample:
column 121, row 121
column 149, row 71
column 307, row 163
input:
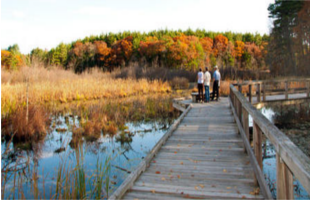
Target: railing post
column 250, row 93
column 308, row 89
column 240, row 111
column 264, row 91
column 235, row 102
column 258, row 93
column 240, row 88
column 245, row 122
column 286, row 89
column 257, row 145
column 284, row 181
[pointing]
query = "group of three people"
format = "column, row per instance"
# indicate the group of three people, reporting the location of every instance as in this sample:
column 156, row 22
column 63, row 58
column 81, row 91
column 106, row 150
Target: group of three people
column 205, row 79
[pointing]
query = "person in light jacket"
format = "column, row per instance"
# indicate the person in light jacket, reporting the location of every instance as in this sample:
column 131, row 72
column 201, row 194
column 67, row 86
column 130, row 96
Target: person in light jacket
column 207, row 80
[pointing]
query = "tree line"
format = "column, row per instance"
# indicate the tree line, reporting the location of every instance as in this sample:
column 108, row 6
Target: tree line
column 173, row 49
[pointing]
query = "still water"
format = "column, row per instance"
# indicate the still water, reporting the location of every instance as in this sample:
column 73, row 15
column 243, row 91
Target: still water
column 46, row 157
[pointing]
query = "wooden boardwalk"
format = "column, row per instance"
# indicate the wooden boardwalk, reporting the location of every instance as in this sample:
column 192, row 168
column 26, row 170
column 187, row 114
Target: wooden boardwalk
column 203, row 158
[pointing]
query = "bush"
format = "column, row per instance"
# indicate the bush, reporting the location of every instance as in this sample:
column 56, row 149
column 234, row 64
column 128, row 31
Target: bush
column 179, row 83
column 34, row 129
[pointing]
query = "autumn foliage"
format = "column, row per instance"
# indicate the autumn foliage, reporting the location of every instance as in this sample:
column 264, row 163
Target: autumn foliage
column 220, row 45
column 11, row 60
column 187, row 50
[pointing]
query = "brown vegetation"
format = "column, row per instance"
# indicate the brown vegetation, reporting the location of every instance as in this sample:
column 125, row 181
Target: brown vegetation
column 35, row 128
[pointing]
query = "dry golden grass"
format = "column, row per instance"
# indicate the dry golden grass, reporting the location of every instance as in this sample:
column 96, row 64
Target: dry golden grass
column 58, row 85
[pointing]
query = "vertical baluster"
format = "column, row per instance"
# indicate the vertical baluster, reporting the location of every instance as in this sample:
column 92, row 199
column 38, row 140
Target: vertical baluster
column 264, row 91
column 284, row 181
column 245, row 119
column 240, row 88
column 257, row 145
column 240, row 111
column 308, row 89
column 258, row 93
column 250, row 93
column 286, row 89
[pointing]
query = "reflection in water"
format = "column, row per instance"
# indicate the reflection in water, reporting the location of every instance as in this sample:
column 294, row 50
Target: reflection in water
column 50, row 167
column 288, row 119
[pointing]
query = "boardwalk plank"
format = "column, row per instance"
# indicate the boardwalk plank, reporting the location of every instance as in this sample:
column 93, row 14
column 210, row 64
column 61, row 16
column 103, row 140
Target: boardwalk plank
column 203, row 158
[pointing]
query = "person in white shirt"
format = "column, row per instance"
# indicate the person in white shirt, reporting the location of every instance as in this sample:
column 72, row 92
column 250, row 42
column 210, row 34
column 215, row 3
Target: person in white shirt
column 216, row 83
column 207, row 80
column 200, row 85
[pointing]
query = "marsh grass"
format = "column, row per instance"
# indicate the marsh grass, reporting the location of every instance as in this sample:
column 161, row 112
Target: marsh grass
column 61, row 86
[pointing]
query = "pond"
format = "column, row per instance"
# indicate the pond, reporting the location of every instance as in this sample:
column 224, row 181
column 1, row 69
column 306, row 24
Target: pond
column 291, row 120
column 54, row 164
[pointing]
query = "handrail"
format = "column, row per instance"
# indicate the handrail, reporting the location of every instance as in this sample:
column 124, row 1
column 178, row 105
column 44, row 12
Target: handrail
column 262, row 88
column 290, row 159
column 274, row 81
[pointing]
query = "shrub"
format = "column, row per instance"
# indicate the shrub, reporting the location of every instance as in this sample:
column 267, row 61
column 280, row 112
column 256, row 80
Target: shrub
column 179, row 83
column 35, row 128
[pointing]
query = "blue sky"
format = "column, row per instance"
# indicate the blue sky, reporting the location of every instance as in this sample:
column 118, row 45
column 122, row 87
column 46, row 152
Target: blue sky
column 46, row 23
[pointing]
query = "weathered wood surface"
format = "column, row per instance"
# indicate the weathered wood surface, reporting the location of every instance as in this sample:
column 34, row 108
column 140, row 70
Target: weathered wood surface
column 270, row 98
column 203, row 158
column 296, row 161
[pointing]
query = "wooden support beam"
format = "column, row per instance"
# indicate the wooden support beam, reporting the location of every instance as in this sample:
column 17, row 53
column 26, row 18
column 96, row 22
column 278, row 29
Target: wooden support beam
column 264, row 91
column 308, row 89
column 240, row 111
column 286, row 89
column 257, row 145
column 245, row 123
column 258, row 93
column 284, row 181
column 250, row 93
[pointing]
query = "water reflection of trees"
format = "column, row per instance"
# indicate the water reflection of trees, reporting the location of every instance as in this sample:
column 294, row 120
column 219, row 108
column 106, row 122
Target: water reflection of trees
column 19, row 166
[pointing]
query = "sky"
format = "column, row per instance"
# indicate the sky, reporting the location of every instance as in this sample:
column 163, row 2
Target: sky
column 47, row 23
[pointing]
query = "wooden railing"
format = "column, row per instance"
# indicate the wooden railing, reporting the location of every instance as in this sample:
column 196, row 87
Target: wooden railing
column 261, row 89
column 290, row 160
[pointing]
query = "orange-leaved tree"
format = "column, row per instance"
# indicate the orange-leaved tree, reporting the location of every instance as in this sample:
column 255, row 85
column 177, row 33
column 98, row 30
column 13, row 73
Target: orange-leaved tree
column 220, row 45
column 185, row 51
column 207, row 45
column 252, row 56
column 151, row 48
column 11, row 60
column 121, row 51
column 239, row 49
column 102, row 52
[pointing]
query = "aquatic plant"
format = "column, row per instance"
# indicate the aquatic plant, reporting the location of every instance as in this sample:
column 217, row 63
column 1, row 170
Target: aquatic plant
column 27, row 125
